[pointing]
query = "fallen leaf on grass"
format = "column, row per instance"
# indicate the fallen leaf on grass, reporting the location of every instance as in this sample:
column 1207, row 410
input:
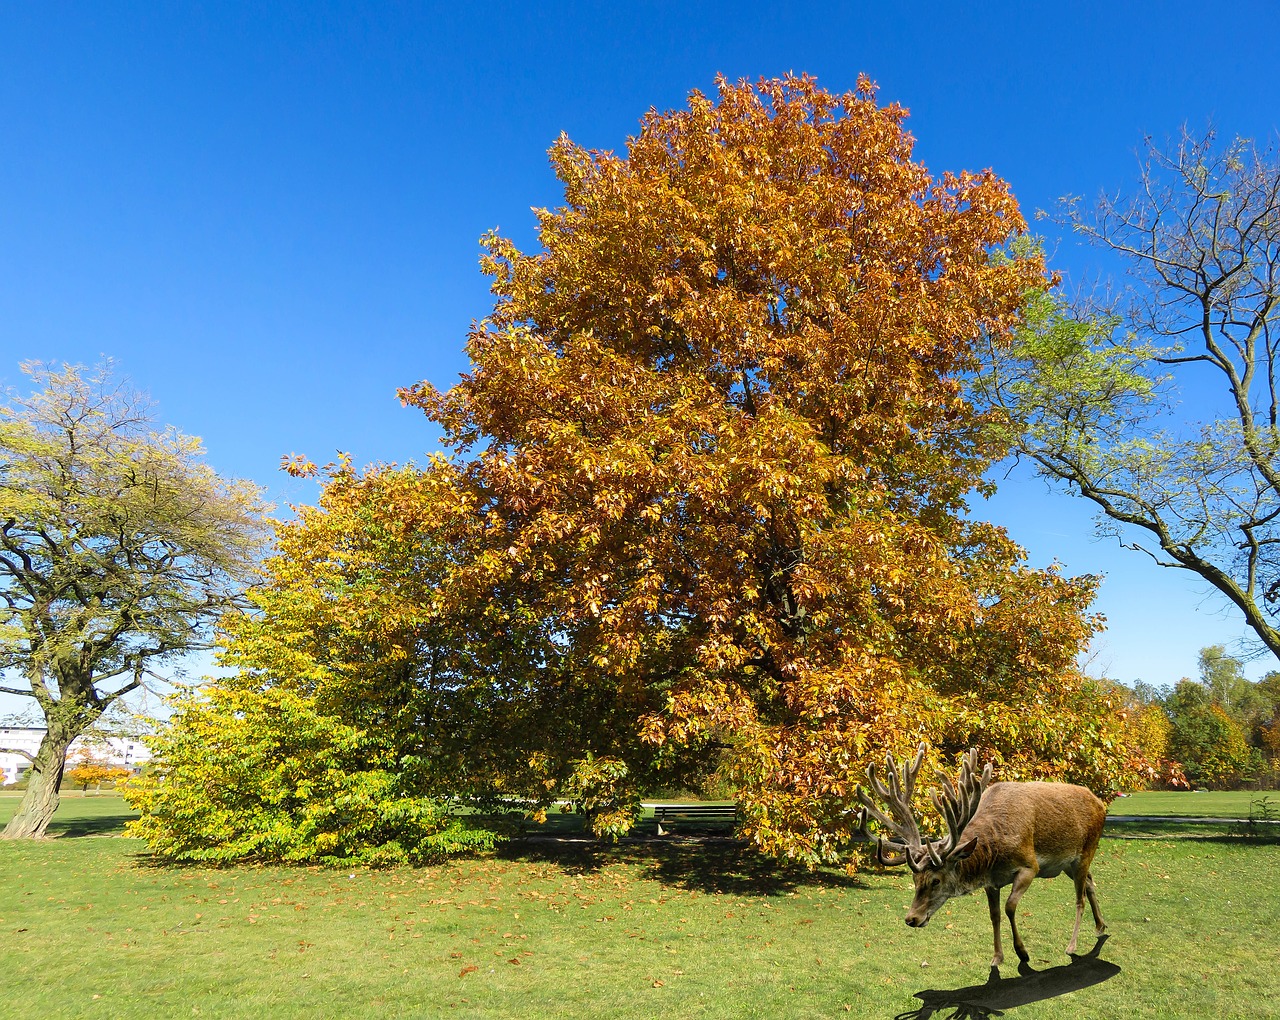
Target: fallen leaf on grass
column 467, row 970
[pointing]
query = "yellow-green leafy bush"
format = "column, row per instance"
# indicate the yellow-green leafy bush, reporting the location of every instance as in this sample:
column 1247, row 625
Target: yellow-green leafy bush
column 261, row 775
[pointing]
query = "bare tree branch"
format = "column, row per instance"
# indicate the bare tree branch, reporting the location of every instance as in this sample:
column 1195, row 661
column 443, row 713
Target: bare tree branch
column 1088, row 391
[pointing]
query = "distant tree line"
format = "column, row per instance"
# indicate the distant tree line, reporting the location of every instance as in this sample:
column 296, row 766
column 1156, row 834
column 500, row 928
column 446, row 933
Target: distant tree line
column 1221, row 731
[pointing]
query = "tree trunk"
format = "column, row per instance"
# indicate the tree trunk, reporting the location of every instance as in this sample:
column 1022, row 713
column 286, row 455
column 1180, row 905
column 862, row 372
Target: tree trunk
column 44, row 781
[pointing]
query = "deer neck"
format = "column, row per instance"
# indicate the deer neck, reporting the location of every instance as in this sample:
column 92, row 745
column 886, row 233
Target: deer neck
column 974, row 872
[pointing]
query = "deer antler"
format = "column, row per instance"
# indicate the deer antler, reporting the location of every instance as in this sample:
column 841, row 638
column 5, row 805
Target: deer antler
column 896, row 794
column 957, row 803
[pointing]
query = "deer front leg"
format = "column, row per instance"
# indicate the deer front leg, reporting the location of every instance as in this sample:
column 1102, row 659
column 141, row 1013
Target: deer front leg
column 1021, row 881
column 993, row 904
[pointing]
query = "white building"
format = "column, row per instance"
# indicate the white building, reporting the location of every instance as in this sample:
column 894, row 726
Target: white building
column 128, row 751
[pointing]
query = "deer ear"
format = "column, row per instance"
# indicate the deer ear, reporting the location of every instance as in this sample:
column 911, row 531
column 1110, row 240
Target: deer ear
column 964, row 849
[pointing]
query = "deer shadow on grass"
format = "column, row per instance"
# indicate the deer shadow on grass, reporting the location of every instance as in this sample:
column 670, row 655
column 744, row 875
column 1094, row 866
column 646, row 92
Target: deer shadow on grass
column 997, row 994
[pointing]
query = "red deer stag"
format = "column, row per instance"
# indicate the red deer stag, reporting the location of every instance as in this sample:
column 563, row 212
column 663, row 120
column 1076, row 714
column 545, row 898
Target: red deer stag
column 997, row 834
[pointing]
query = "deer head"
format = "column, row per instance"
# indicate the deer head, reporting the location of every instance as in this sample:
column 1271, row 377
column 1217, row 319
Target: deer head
column 932, row 862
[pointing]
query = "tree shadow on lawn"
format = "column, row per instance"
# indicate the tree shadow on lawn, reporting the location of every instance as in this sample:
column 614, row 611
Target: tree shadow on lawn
column 1241, row 836
column 78, row 815
column 725, row 866
column 102, row 825
column 976, row 1002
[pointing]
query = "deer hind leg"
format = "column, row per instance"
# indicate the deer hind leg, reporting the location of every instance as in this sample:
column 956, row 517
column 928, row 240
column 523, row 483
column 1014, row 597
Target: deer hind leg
column 1081, row 877
column 1021, row 882
column 993, row 904
column 1085, row 883
column 1099, row 924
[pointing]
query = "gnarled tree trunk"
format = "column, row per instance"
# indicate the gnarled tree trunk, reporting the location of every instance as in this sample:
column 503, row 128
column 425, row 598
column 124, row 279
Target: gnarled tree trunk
column 45, row 780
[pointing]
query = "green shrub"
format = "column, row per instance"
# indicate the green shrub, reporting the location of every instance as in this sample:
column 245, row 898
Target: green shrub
column 261, row 775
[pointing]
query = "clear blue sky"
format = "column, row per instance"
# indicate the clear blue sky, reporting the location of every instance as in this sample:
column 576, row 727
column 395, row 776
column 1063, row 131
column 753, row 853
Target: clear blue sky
column 268, row 214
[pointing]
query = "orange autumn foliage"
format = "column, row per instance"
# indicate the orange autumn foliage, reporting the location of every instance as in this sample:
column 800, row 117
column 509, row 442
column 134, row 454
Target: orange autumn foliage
column 721, row 453
column 88, row 772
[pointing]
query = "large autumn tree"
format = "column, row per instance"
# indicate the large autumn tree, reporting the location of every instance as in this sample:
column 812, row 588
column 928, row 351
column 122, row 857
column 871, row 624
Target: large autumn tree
column 721, row 453
column 119, row 547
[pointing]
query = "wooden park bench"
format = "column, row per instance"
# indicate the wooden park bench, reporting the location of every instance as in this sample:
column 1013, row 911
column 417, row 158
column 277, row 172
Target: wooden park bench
column 667, row 813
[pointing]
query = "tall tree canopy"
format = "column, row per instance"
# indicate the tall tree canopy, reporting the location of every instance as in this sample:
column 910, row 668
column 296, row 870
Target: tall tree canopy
column 118, row 548
column 720, row 451
column 1121, row 399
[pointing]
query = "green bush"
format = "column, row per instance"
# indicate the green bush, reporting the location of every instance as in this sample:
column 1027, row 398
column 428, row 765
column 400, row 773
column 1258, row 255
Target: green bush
column 261, row 775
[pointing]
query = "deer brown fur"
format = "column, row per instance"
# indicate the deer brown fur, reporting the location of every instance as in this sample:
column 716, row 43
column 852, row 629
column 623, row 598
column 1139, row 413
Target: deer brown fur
column 998, row 834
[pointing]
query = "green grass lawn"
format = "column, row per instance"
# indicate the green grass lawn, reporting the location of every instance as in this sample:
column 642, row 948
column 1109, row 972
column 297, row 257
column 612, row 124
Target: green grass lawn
column 1210, row 803
column 672, row 929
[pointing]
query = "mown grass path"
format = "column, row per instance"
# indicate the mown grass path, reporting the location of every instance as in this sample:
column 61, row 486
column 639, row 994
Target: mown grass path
column 674, row 929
